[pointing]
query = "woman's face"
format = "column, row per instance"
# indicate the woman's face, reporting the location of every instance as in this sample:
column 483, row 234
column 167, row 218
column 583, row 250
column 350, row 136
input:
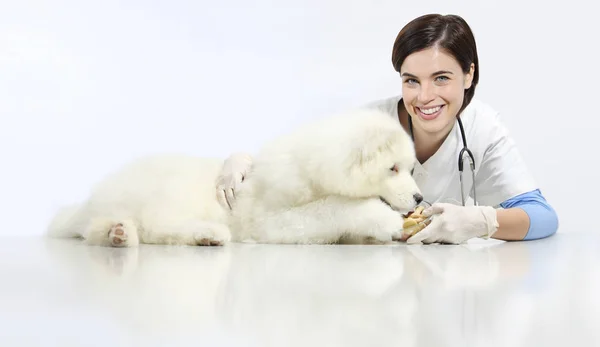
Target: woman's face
column 433, row 86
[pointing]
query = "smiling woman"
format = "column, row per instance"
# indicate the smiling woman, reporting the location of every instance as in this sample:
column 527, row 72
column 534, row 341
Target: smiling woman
column 436, row 58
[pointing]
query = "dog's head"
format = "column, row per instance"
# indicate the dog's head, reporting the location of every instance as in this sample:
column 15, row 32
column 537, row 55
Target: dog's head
column 370, row 155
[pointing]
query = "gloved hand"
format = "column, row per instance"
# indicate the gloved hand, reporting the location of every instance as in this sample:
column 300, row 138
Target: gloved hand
column 456, row 224
column 231, row 177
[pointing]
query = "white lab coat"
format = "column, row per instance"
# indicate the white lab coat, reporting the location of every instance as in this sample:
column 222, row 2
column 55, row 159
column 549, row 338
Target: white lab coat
column 500, row 172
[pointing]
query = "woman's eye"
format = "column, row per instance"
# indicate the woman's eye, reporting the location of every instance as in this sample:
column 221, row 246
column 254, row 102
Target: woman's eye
column 442, row 78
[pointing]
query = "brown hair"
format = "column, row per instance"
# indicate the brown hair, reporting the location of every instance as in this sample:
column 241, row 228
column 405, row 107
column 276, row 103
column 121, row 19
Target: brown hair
column 449, row 32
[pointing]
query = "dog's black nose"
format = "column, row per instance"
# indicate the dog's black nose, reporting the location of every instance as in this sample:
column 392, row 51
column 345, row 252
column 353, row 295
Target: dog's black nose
column 418, row 198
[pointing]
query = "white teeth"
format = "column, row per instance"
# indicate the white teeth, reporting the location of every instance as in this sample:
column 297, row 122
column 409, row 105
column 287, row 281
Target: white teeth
column 430, row 110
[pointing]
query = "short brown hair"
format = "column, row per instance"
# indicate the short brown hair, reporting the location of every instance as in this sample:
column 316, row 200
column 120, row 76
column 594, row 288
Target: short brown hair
column 449, row 32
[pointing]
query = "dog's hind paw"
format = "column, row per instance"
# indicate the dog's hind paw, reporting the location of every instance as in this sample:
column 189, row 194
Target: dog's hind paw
column 117, row 235
column 111, row 232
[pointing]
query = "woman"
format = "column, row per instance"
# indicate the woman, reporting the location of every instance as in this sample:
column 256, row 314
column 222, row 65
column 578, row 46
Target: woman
column 436, row 58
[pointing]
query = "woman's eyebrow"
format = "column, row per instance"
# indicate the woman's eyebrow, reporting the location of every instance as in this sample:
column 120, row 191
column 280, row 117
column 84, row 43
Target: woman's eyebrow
column 441, row 72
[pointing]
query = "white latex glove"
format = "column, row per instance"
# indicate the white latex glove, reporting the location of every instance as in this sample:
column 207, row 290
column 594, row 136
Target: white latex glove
column 231, row 177
column 456, row 224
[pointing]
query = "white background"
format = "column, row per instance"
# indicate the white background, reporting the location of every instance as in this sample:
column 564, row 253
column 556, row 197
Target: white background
column 87, row 85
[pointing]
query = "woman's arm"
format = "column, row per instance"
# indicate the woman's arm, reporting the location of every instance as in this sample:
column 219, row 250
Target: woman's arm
column 526, row 217
column 503, row 179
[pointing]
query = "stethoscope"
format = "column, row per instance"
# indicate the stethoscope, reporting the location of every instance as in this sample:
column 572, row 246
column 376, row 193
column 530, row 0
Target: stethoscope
column 461, row 158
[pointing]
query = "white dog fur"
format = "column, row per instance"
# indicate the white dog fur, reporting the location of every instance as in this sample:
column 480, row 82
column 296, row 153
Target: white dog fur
column 330, row 181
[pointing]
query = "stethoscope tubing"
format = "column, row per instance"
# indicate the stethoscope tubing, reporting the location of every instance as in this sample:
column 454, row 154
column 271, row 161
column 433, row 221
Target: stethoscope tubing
column 461, row 155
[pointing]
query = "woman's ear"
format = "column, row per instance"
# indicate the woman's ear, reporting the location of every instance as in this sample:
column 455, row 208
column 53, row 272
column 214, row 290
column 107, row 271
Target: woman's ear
column 469, row 76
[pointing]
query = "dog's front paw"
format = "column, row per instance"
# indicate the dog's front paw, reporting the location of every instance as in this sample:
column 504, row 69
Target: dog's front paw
column 392, row 225
column 211, row 234
column 384, row 223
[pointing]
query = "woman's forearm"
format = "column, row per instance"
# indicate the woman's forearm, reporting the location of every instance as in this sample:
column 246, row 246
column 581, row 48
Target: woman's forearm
column 528, row 216
column 513, row 224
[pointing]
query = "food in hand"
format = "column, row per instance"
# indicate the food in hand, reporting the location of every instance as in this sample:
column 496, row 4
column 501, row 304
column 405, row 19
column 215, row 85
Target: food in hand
column 414, row 221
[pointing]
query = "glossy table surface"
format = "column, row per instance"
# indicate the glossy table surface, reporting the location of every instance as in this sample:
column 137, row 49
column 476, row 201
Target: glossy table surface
column 486, row 293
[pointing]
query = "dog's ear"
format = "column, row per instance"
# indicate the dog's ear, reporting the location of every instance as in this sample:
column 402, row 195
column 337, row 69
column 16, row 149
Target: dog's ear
column 371, row 148
column 371, row 134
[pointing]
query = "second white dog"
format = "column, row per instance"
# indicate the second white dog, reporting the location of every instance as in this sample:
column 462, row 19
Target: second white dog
column 346, row 178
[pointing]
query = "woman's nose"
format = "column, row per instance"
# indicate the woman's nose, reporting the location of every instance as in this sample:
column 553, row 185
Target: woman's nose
column 426, row 94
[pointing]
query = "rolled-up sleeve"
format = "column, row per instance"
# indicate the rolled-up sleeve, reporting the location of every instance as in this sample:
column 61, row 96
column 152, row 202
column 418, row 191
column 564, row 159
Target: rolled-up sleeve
column 543, row 220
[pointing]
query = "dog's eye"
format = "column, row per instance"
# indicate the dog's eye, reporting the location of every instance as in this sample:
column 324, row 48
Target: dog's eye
column 395, row 168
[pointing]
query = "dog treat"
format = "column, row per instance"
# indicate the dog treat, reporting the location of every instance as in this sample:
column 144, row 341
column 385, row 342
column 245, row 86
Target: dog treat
column 414, row 221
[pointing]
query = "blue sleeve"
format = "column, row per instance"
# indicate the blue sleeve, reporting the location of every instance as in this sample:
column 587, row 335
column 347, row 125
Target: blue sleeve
column 543, row 220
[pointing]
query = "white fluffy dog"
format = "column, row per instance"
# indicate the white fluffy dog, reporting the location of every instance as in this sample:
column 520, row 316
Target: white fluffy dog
column 345, row 178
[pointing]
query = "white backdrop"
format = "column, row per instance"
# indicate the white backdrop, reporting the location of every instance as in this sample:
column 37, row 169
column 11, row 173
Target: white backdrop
column 88, row 85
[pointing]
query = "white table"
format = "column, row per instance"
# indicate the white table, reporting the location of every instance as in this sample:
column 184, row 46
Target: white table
column 541, row 293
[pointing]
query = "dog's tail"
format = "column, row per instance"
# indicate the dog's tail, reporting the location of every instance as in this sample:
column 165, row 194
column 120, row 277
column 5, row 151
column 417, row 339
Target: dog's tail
column 68, row 222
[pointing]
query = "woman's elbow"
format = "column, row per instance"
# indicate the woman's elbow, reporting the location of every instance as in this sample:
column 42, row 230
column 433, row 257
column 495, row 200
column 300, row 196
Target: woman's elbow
column 543, row 220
